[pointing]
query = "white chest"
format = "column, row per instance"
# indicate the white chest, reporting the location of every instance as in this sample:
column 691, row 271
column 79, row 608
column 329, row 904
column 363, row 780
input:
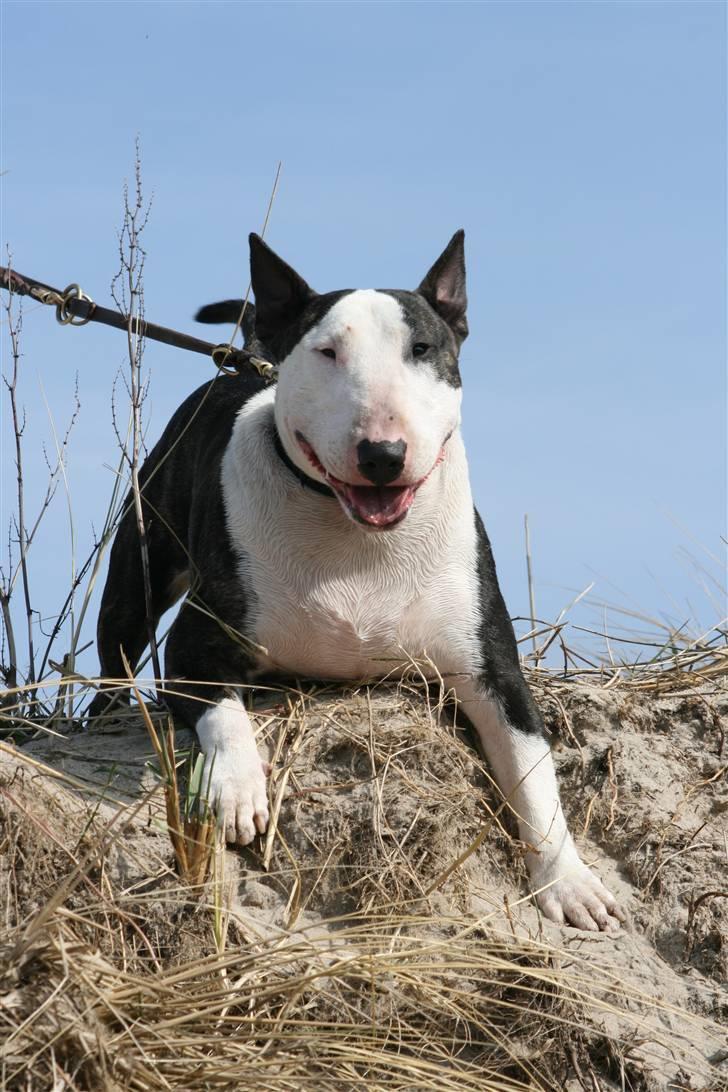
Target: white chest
column 329, row 600
column 340, row 624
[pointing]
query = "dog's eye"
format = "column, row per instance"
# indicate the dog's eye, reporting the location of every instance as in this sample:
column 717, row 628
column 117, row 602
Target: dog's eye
column 330, row 353
column 419, row 348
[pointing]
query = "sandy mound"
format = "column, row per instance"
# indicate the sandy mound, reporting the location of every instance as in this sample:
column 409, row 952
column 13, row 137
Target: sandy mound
column 381, row 935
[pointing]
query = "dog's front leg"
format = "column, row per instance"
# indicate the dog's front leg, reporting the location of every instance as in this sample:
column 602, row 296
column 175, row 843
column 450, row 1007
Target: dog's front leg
column 520, row 757
column 203, row 664
column 234, row 776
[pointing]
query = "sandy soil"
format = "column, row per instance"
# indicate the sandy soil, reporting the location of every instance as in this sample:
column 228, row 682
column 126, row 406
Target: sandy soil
column 379, row 800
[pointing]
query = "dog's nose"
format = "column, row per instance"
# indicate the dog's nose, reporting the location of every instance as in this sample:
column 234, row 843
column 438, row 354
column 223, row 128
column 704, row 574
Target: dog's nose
column 383, row 461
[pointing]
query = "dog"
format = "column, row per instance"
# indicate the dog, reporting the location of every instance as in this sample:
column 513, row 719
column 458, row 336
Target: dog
column 323, row 526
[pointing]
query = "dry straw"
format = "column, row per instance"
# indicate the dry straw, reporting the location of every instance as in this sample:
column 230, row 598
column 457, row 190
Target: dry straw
column 158, row 983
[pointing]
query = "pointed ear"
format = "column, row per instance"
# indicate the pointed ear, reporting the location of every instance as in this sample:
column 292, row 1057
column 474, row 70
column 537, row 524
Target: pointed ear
column 444, row 286
column 280, row 294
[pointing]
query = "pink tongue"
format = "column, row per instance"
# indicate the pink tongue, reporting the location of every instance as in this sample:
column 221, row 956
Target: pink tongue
column 380, row 504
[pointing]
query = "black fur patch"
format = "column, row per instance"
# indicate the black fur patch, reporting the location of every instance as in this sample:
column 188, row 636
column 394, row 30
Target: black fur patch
column 501, row 673
column 429, row 329
column 284, row 340
column 187, row 532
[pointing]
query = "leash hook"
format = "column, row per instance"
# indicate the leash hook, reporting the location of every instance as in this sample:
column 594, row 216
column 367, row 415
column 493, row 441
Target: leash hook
column 264, row 368
column 67, row 317
column 219, row 355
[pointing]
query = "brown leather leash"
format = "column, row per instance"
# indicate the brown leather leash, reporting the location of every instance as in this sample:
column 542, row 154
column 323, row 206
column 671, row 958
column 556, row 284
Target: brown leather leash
column 75, row 308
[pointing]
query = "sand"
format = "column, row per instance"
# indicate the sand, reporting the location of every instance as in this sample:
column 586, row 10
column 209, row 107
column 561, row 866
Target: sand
column 388, row 844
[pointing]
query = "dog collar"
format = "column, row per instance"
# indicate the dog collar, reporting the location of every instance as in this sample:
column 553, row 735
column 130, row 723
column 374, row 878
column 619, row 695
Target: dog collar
column 309, row 483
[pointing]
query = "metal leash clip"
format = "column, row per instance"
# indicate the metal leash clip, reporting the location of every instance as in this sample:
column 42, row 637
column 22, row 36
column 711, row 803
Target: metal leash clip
column 67, row 317
column 264, row 368
column 219, row 355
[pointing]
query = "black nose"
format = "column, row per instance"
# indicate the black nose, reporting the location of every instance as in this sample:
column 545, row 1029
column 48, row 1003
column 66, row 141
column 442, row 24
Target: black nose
column 382, row 461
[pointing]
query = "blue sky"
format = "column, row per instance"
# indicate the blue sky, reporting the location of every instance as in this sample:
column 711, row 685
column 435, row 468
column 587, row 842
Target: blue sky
column 580, row 145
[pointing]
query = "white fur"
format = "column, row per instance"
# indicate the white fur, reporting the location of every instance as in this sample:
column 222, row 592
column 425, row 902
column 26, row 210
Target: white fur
column 233, row 777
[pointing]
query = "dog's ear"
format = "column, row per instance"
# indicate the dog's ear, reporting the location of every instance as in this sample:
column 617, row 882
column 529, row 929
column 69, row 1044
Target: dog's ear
column 444, row 286
column 280, row 294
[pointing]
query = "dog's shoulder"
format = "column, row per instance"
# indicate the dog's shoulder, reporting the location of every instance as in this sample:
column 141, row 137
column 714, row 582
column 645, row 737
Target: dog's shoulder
column 203, row 424
column 210, row 411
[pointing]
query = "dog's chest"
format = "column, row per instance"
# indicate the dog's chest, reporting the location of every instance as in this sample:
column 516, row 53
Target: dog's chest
column 328, row 600
column 339, row 625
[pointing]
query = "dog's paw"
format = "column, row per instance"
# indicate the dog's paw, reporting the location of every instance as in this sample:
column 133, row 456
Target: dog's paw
column 236, row 788
column 577, row 898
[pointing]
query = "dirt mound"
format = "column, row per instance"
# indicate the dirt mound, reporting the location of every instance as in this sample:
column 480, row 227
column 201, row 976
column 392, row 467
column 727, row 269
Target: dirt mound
column 381, row 934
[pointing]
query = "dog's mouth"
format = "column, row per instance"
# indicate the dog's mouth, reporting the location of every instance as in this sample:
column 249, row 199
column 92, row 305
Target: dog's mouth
column 379, row 507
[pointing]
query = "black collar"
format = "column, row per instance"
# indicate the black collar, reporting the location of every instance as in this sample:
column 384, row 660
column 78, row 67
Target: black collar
column 309, row 483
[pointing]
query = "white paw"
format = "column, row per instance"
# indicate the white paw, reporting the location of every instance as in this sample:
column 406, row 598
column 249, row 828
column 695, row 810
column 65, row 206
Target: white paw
column 576, row 897
column 236, row 789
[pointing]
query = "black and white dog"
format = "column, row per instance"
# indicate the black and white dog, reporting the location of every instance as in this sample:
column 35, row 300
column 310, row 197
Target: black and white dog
column 324, row 526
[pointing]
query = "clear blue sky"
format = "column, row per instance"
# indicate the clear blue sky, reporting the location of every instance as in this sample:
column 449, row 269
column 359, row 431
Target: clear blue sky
column 580, row 145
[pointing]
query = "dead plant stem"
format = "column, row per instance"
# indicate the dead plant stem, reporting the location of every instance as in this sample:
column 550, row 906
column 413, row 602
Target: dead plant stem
column 132, row 258
column 15, row 324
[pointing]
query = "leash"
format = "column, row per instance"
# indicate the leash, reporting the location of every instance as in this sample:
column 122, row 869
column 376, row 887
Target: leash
column 75, row 308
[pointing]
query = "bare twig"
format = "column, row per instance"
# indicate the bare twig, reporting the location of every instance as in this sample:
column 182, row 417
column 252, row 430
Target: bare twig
column 128, row 292
column 15, row 326
column 23, row 533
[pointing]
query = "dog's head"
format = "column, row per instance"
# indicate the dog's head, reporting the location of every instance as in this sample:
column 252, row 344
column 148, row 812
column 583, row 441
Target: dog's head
column 368, row 389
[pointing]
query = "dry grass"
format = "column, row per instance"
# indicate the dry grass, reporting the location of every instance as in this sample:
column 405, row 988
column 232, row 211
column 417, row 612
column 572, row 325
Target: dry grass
column 374, row 973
